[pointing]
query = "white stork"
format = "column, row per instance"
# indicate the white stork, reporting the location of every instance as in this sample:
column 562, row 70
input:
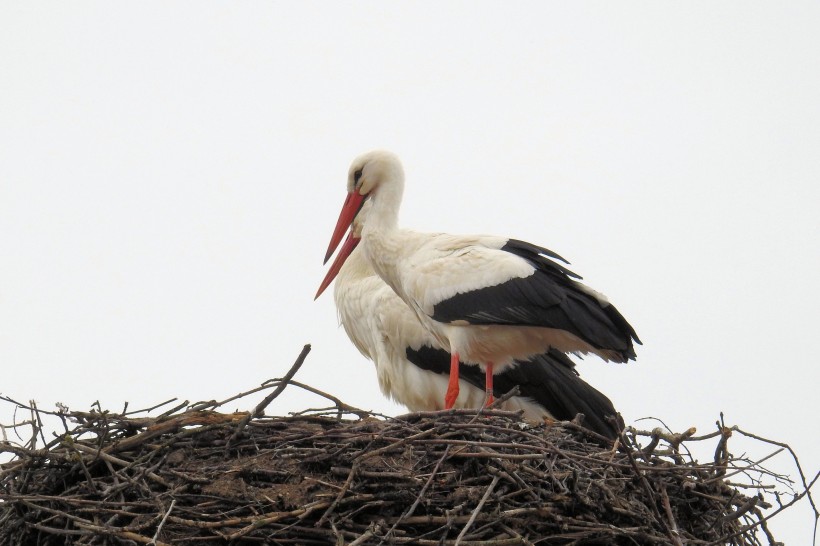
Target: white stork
column 488, row 300
column 413, row 369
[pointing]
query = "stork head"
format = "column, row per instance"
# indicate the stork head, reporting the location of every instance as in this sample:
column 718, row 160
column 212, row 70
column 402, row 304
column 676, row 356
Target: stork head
column 369, row 170
column 367, row 175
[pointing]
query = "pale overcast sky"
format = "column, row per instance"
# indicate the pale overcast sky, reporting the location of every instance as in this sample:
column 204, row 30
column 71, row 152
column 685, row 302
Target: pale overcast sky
column 171, row 172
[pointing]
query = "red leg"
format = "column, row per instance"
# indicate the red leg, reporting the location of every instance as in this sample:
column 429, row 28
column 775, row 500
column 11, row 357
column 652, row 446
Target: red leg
column 452, row 386
column 489, row 383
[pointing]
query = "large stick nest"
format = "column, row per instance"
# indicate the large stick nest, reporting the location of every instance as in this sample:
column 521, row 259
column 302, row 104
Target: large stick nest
column 193, row 475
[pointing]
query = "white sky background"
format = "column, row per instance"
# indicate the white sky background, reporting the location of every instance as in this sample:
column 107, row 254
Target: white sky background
column 171, row 172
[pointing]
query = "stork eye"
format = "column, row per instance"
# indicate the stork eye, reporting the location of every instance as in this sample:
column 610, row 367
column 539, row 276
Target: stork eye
column 356, row 176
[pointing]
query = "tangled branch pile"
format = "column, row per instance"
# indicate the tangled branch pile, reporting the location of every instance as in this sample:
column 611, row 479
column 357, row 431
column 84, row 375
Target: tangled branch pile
column 193, row 475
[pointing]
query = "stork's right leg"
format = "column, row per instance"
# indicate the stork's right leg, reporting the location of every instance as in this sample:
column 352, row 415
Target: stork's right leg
column 489, row 384
column 452, row 386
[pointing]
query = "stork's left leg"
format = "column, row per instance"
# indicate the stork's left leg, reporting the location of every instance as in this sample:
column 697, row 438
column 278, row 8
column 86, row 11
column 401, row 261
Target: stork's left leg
column 489, row 383
column 452, row 385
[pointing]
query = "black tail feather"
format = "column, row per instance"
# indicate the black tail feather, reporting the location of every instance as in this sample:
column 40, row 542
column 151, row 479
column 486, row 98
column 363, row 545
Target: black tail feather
column 549, row 379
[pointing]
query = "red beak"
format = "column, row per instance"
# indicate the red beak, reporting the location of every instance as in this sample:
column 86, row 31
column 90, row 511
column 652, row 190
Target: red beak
column 347, row 248
column 353, row 202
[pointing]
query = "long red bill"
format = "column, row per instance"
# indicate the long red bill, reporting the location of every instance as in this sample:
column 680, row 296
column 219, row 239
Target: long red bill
column 348, row 246
column 353, row 202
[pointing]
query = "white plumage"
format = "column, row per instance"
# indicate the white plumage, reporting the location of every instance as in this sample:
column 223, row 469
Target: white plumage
column 387, row 331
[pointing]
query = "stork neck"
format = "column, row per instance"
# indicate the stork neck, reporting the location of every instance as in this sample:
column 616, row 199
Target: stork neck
column 380, row 234
column 354, row 268
column 384, row 214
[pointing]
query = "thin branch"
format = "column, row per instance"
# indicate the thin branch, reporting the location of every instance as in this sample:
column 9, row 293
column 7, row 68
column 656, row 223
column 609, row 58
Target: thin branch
column 260, row 408
column 161, row 523
column 477, row 510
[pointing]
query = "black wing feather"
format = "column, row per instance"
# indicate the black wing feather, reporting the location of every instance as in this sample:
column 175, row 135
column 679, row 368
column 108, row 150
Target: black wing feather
column 550, row 297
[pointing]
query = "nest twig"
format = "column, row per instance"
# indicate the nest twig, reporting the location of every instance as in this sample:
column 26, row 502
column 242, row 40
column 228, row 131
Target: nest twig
column 340, row 475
